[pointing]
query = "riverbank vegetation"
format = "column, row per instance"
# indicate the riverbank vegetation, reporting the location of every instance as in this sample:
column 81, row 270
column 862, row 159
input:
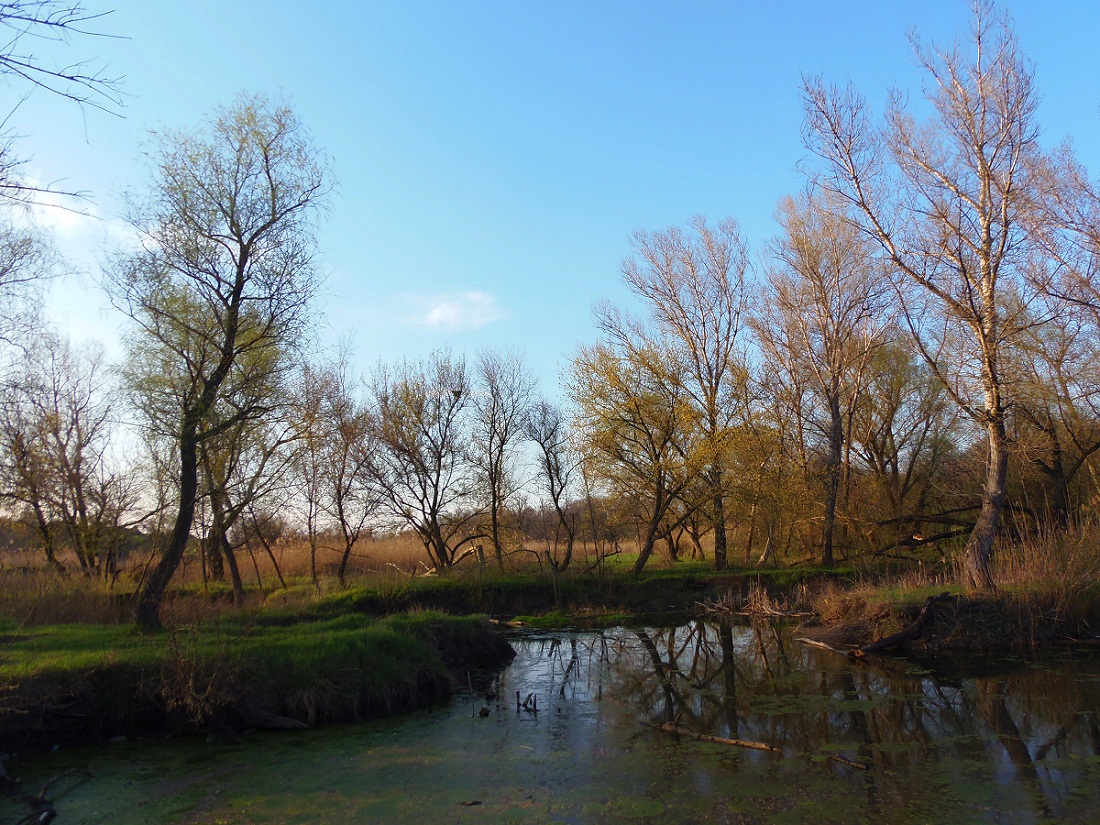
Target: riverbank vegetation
column 266, row 670
column 901, row 382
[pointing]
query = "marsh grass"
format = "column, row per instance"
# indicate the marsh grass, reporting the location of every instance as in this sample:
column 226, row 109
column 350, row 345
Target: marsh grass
column 1048, row 588
column 1062, row 569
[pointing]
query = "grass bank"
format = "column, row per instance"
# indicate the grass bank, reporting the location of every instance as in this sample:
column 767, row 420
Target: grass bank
column 575, row 598
column 74, row 683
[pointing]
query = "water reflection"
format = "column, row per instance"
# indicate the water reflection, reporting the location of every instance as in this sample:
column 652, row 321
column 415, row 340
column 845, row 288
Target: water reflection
column 1017, row 741
column 978, row 740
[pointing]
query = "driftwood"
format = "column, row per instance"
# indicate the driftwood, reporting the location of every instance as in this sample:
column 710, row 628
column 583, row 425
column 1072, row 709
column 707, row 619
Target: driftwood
column 822, row 645
column 672, row 727
column 907, row 635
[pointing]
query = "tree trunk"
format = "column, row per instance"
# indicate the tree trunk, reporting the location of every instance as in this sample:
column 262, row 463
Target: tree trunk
column 220, row 547
column 719, row 520
column 494, row 527
column 313, row 557
column 148, row 607
column 1058, row 484
column 980, row 543
column 832, row 481
column 234, row 571
column 673, row 544
column 651, row 535
column 47, row 537
column 215, row 560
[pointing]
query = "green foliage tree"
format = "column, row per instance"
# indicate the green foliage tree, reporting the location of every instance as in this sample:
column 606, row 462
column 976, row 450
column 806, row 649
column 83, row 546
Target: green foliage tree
column 220, row 286
column 905, row 435
column 639, row 428
column 820, row 322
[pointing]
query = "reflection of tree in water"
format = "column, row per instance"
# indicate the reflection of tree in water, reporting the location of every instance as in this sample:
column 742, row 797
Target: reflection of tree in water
column 1034, row 729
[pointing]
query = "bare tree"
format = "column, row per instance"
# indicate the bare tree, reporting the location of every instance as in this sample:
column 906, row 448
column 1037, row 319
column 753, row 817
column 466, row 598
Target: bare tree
column 420, row 464
column 502, row 395
column 219, row 290
column 1057, row 409
column 694, row 286
column 26, row 261
column 29, row 25
column 25, row 483
column 348, row 495
column 31, row 22
column 314, row 432
column 822, row 319
column 55, row 435
column 947, row 203
column 558, row 464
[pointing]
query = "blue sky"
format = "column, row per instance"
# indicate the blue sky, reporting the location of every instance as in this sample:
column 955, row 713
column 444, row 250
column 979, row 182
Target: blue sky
column 493, row 158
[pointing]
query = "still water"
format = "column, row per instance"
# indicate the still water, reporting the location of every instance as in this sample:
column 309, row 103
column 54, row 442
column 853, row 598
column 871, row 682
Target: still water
column 997, row 740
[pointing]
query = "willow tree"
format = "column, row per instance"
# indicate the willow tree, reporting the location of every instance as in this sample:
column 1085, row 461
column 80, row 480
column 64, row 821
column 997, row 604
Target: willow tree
column 947, row 203
column 219, row 287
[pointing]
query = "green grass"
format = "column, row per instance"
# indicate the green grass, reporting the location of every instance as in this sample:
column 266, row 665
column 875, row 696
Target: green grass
column 81, row 681
column 901, row 595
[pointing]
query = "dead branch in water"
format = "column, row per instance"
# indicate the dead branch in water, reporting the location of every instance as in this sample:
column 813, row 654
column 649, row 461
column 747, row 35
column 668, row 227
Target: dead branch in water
column 41, row 809
column 671, row 727
column 907, row 635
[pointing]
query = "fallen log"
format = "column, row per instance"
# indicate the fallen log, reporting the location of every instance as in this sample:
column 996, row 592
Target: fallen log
column 671, row 727
column 706, row 737
column 901, row 637
column 822, row 645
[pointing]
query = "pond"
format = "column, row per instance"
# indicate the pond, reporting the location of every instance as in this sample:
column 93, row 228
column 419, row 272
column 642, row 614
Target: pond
column 998, row 740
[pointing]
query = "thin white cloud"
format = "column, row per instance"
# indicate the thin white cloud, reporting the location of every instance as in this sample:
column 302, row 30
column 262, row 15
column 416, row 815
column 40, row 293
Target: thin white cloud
column 453, row 312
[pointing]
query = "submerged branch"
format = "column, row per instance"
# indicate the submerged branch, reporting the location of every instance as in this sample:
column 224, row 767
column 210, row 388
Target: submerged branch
column 671, row 727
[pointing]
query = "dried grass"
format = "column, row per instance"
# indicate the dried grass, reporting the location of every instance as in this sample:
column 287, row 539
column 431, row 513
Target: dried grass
column 1061, row 569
